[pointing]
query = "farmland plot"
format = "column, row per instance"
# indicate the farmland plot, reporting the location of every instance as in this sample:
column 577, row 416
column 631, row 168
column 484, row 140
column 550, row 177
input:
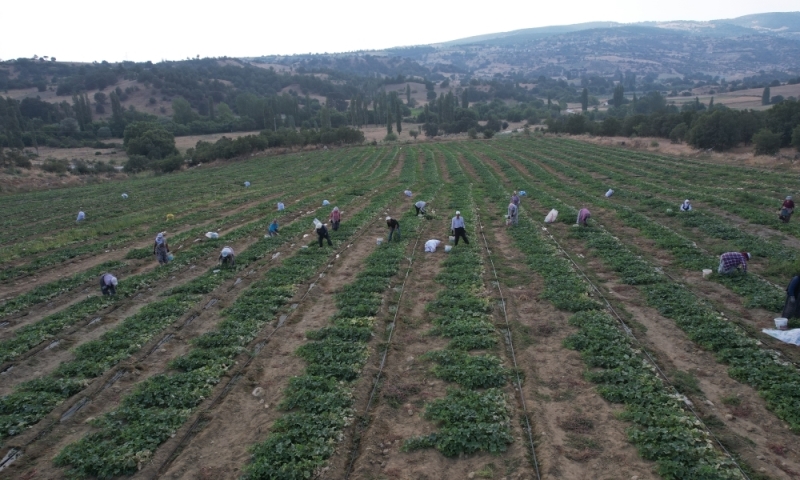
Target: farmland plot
column 535, row 351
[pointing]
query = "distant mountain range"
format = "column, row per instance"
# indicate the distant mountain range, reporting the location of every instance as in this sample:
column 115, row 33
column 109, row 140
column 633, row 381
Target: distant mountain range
column 731, row 48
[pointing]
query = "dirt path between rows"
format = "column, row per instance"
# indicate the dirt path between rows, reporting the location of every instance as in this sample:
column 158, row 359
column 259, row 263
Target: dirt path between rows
column 244, row 418
column 149, row 362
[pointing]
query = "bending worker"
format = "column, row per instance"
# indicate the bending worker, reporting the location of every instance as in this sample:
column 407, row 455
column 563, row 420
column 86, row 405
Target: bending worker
column 273, row 228
column 394, row 226
column 420, row 206
column 787, row 209
column 686, row 206
column 731, row 261
column 322, row 233
column 459, row 228
column 583, row 217
column 108, row 284
column 226, row 256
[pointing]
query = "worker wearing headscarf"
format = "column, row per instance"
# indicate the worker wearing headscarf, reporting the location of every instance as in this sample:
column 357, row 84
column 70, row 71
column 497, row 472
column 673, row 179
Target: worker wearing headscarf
column 161, row 248
column 322, row 234
column 420, row 206
column 686, row 206
column 81, row 216
column 335, row 218
column 791, row 308
column 226, row 256
column 515, row 198
column 513, row 214
column 108, row 284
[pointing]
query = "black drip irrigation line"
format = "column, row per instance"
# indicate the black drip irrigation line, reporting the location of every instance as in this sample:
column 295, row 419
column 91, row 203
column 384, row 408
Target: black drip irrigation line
column 518, row 380
column 630, row 334
column 376, row 382
column 258, row 347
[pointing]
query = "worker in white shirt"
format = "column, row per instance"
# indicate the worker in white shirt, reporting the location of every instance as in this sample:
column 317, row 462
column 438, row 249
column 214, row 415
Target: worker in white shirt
column 459, row 228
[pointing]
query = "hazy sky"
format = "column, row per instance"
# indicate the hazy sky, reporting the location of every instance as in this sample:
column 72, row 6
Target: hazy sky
column 140, row 30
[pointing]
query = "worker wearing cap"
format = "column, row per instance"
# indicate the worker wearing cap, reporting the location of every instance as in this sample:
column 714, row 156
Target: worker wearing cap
column 108, row 284
column 226, row 256
column 458, row 228
column 731, row 261
column 394, row 226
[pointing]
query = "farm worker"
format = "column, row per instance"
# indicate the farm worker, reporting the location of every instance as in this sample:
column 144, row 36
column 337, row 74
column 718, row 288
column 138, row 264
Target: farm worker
column 273, row 228
column 513, row 214
column 336, row 217
column 459, row 228
column 609, row 193
column 420, row 206
column 325, row 203
column 407, row 193
column 730, row 261
column 790, row 308
column 583, row 217
column 515, row 198
column 281, row 206
column 81, row 216
column 686, row 206
column 170, row 217
column 108, row 284
column 124, row 196
column 430, row 245
column 161, row 248
column 246, row 184
column 322, row 233
column 787, row 209
column 227, row 256
column 394, row 226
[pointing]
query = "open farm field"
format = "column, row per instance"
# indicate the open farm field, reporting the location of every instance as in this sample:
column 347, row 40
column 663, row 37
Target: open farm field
column 533, row 351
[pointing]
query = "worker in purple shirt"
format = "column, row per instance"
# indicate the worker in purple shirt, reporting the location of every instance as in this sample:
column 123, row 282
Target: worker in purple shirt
column 459, row 228
column 583, row 217
column 515, row 198
column 731, row 261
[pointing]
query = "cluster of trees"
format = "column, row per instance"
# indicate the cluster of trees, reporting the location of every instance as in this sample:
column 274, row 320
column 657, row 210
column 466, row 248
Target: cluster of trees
column 702, row 126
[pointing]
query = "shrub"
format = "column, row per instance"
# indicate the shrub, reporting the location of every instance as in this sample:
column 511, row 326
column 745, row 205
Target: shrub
column 796, row 138
column 390, row 137
column 473, row 134
column 55, row 166
column 488, row 133
column 766, row 142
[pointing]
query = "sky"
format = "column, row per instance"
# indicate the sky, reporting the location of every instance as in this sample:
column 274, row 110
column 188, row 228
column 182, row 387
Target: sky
column 91, row 30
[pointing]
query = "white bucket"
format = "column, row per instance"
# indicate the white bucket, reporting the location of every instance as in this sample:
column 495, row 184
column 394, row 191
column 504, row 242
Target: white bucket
column 706, row 272
column 379, row 241
column 781, row 323
column 447, row 248
column 451, row 239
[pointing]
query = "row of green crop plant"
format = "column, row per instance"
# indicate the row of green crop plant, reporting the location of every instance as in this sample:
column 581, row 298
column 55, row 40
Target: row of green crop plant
column 705, row 174
column 318, row 405
column 61, row 287
column 49, row 291
column 757, row 292
column 640, row 195
column 156, row 408
column 477, row 415
column 208, row 182
column 29, row 336
column 661, row 429
column 34, row 399
column 139, row 220
column 776, row 380
column 747, row 201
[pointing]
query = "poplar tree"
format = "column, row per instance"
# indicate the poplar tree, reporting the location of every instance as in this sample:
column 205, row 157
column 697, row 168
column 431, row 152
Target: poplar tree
column 585, row 100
